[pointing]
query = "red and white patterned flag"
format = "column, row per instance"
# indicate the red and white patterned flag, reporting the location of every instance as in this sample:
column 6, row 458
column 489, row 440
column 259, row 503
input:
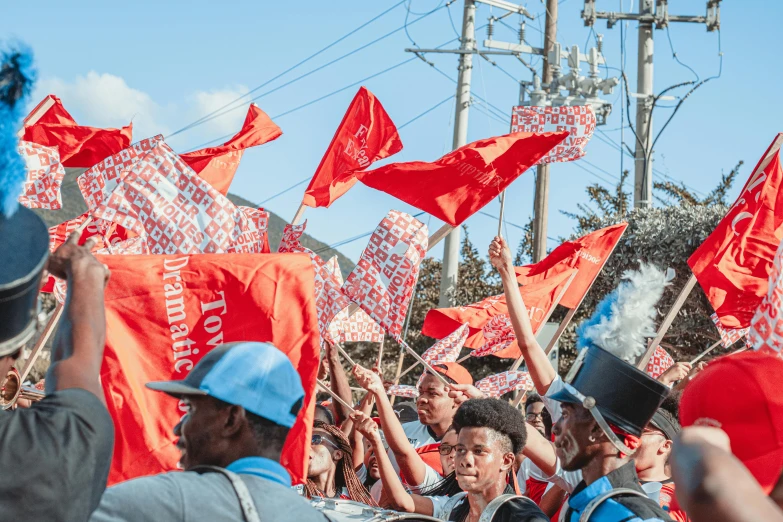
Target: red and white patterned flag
column 180, row 213
column 766, row 327
column 448, row 348
column 329, row 298
column 659, row 363
column 334, row 267
column 100, row 180
column 578, row 120
column 498, row 335
column 383, row 281
column 728, row 336
column 45, row 176
column 355, row 327
column 403, row 390
column 501, row 383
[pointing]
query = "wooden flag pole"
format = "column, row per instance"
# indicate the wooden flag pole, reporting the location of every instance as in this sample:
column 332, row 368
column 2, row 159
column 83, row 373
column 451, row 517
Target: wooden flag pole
column 519, row 399
column 667, row 322
column 425, row 363
column 345, row 354
column 299, row 213
column 502, row 208
column 400, row 360
column 335, row 396
column 50, row 327
column 705, row 352
column 380, row 353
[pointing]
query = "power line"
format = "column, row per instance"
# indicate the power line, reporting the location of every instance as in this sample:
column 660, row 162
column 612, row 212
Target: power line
column 674, row 55
column 354, row 238
column 300, row 182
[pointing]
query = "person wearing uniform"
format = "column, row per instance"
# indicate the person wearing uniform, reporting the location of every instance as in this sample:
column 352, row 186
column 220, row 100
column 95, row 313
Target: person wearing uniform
column 56, row 454
column 242, row 400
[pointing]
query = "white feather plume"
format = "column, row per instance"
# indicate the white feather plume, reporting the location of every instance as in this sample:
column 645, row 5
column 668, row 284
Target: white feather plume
column 625, row 319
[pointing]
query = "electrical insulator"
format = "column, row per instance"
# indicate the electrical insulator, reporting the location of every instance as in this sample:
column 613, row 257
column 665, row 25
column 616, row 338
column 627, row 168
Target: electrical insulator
column 600, row 43
column 490, row 28
column 521, row 32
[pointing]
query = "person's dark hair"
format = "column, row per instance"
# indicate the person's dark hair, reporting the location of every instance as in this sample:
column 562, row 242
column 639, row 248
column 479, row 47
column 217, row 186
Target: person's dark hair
column 496, row 415
column 267, row 433
column 532, row 398
column 324, row 414
column 672, row 403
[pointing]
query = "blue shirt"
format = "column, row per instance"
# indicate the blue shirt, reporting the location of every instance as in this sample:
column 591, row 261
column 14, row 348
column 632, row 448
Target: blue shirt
column 261, row 467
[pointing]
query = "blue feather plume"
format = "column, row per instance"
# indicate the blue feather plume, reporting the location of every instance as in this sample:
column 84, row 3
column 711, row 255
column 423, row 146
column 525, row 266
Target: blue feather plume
column 16, row 81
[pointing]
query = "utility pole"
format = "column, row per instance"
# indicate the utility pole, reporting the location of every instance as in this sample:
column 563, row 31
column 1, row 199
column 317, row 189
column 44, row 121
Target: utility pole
column 541, row 202
column 450, row 270
column 657, row 15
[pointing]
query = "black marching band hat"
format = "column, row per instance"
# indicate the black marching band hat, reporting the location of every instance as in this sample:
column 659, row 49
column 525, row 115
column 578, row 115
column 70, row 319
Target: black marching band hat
column 603, row 378
column 24, row 239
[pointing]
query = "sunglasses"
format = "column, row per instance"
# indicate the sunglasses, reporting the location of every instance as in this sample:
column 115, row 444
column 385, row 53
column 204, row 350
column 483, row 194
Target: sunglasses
column 445, row 449
column 318, row 440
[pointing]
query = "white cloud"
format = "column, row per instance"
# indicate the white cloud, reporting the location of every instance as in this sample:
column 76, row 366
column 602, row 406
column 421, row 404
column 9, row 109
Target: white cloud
column 207, row 102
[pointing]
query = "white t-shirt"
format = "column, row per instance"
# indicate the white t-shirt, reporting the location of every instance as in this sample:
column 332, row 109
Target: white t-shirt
column 431, row 477
column 529, row 470
column 442, row 506
column 418, row 435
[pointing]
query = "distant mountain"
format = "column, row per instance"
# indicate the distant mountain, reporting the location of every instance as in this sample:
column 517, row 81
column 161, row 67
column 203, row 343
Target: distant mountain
column 73, row 205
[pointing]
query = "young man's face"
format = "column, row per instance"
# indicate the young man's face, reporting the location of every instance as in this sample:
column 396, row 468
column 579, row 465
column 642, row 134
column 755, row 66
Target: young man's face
column 324, row 453
column 482, row 459
column 653, row 448
column 200, row 440
column 370, row 461
column 448, row 448
column 534, row 415
column 434, row 405
column 572, row 437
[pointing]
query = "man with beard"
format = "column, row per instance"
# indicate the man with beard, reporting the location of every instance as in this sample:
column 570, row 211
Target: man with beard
column 242, row 400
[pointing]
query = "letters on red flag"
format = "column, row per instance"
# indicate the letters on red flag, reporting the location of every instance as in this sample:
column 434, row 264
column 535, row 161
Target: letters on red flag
column 460, row 183
column 732, row 265
column 45, row 176
column 218, row 164
column 164, row 313
column 383, row 281
column 366, row 134
column 501, row 383
column 588, row 254
column 539, row 297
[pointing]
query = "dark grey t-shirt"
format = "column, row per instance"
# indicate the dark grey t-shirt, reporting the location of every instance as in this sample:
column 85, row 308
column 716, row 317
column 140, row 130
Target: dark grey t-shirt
column 55, row 457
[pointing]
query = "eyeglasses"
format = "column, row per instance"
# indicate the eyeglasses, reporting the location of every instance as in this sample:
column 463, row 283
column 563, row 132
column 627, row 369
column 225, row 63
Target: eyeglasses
column 533, row 416
column 318, row 440
column 445, row 449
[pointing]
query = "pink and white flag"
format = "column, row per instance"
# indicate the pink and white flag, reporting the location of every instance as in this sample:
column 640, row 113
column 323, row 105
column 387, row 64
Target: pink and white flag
column 356, row 327
column 578, row 120
column 728, row 336
column 383, row 281
column 501, row 383
column 334, row 267
column 403, row 390
column 766, row 327
column 161, row 197
column 100, row 180
column 329, row 298
column 448, row 348
column 659, row 363
column 45, row 176
column 498, row 335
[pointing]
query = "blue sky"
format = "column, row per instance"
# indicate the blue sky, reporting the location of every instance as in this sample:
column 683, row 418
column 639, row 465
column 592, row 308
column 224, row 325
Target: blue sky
column 165, row 64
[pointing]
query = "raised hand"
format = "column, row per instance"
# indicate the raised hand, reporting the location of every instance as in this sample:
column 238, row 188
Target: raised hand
column 368, row 379
column 499, row 254
column 364, row 425
column 677, row 372
column 70, row 259
column 463, row 392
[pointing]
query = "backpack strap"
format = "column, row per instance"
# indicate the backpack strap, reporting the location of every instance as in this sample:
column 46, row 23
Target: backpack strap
column 597, row 501
column 497, row 503
column 249, row 511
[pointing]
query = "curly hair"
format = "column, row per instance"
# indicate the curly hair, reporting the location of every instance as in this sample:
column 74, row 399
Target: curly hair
column 532, row 398
column 495, row 414
column 345, row 475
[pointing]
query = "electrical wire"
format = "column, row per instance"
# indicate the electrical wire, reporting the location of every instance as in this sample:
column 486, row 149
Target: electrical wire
column 674, row 55
column 354, row 238
column 301, row 182
column 353, row 31
column 454, row 27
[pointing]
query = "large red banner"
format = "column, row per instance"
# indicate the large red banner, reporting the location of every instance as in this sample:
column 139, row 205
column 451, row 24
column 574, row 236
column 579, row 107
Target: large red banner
column 164, row 313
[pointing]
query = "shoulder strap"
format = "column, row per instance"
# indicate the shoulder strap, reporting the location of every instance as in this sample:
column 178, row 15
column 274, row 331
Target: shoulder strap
column 597, row 501
column 497, row 502
column 249, row 511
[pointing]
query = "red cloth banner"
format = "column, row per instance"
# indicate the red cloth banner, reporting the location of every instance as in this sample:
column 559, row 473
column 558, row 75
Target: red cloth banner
column 498, row 335
column 588, row 254
column 448, row 348
column 538, row 297
column 501, row 383
column 45, row 176
column 217, row 165
column 383, row 281
column 164, row 313
column 766, row 327
column 365, row 135
column 55, row 113
column 577, row 120
column 100, row 180
column 329, row 298
column 728, row 336
column 732, row 265
column 460, row 183
column 659, row 363
column 178, row 212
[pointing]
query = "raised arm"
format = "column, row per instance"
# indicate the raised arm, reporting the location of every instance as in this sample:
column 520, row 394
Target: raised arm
column 78, row 346
column 541, row 370
column 393, row 489
column 412, row 467
column 356, row 438
column 338, row 382
column 540, row 451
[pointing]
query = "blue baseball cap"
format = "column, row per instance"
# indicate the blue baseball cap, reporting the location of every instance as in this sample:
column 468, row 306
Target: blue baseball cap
column 256, row 376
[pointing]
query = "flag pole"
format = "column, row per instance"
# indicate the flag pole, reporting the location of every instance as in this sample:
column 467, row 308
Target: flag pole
column 345, row 354
column 380, row 353
column 50, row 327
column 705, row 352
column 667, row 322
column 299, row 213
column 425, row 363
column 335, row 396
column 500, row 217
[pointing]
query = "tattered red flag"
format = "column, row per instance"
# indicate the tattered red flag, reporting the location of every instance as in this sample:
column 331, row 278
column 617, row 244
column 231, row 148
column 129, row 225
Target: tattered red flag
column 588, row 254
column 460, row 183
column 733, row 264
column 218, row 164
column 49, row 110
column 366, row 134
column 164, row 313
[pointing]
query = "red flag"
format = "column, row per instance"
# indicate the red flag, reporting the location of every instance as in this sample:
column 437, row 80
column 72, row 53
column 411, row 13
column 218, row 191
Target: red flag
column 447, row 349
column 504, row 382
column 588, row 254
column 218, row 164
column 164, row 313
column 729, row 336
column 49, row 110
column 460, row 183
column 578, row 120
column 383, row 281
column 733, row 263
column 659, row 362
column 766, row 327
column 45, row 176
column 538, row 297
column 356, row 327
column 366, row 134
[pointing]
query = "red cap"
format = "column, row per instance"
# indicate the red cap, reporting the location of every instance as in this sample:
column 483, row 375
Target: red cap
column 742, row 395
column 455, row 371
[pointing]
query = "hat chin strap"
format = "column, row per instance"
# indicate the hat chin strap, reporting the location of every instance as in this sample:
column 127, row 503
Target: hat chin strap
column 590, row 405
